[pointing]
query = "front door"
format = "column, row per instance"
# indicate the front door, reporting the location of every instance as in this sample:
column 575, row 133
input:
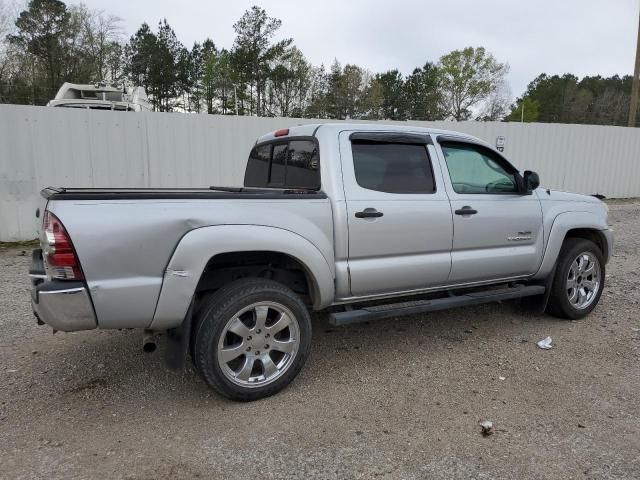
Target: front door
column 498, row 230
column 399, row 218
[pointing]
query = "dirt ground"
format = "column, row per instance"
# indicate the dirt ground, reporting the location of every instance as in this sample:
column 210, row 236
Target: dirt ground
column 394, row 399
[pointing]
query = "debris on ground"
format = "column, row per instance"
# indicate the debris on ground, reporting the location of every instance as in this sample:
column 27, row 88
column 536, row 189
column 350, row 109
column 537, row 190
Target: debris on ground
column 487, row 428
column 545, row 343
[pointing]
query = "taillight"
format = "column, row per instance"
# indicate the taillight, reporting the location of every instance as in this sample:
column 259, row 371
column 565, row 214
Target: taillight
column 60, row 259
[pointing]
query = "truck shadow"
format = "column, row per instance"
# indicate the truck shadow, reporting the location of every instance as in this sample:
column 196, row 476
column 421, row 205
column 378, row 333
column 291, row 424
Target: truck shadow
column 110, row 365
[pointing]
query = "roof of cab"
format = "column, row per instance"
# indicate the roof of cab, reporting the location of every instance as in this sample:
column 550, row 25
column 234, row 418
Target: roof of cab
column 309, row 130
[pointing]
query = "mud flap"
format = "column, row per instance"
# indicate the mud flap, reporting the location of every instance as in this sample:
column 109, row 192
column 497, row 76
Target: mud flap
column 178, row 343
column 548, row 283
column 538, row 305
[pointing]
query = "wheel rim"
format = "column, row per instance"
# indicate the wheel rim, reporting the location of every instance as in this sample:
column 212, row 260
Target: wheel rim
column 583, row 280
column 258, row 344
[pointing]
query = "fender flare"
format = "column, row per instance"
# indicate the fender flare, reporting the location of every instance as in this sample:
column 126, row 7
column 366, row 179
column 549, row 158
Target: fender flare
column 198, row 246
column 561, row 225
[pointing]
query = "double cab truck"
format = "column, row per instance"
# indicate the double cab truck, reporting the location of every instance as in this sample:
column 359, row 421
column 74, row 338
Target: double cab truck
column 362, row 221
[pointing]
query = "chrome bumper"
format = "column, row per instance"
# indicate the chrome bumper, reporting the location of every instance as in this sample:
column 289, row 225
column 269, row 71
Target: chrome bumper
column 63, row 305
column 66, row 309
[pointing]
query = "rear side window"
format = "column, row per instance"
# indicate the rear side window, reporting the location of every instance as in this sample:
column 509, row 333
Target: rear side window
column 257, row 173
column 393, row 167
column 288, row 164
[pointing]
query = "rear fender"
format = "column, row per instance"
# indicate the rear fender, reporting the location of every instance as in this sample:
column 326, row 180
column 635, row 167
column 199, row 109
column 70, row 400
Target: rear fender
column 198, row 246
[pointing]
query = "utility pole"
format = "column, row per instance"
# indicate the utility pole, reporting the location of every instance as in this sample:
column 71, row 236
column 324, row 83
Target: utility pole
column 633, row 107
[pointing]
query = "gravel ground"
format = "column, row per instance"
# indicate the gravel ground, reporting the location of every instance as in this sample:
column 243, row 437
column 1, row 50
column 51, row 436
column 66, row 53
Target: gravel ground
column 394, row 399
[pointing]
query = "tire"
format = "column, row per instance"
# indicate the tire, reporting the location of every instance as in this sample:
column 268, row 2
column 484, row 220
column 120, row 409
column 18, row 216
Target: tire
column 565, row 299
column 264, row 320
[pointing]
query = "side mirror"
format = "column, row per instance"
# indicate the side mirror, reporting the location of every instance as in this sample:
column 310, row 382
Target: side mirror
column 531, row 180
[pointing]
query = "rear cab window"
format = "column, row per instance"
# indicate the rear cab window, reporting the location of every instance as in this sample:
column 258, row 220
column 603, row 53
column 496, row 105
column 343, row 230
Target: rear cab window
column 292, row 163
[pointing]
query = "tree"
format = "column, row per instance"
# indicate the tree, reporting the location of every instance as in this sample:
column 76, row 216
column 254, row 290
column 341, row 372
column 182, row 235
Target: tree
column 289, row 83
column 41, row 31
column 424, row 97
column 6, row 28
column 468, row 77
column 195, row 72
column 115, row 62
column 524, row 110
column 567, row 99
column 53, row 43
column 372, row 105
column 220, row 80
column 317, row 102
column 170, row 57
column 157, row 62
column 497, row 105
column 102, row 36
column 208, row 54
column 254, row 51
column 394, row 95
column 139, row 54
column 6, row 20
column 345, row 93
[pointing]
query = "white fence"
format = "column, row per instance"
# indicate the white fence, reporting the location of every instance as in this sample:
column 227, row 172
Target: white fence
column 66, row 147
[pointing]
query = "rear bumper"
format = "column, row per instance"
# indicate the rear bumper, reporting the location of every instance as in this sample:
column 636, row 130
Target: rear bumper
column 63, row 305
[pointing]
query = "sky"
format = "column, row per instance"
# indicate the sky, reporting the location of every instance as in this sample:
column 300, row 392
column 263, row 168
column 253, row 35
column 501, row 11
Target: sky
column 583, row 37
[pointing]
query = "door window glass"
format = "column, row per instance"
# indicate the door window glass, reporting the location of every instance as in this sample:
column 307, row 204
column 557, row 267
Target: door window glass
column 474, row 169
column 392, row 167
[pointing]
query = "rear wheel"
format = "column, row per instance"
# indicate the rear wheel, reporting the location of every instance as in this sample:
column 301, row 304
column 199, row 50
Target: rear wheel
column 578, row 281
column 252, row 338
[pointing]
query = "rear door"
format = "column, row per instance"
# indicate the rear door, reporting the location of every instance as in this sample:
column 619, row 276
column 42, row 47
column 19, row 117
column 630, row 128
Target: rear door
column 498, row 229
column 399, row 218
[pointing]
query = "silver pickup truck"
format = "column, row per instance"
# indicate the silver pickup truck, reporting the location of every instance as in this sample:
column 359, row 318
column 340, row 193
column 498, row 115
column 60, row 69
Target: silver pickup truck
column 363, row 221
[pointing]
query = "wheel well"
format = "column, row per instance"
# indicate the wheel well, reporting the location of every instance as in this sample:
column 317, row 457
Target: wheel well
column 589, row 234
column 228, row 267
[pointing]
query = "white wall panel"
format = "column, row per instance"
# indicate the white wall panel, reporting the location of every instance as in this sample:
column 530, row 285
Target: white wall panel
column 42, row 146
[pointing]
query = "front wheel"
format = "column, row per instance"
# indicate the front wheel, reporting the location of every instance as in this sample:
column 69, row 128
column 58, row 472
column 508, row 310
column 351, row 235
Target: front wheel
column 578, row 281
column 251, row 339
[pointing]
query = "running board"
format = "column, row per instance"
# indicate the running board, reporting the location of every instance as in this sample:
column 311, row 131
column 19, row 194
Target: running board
column 422, row 306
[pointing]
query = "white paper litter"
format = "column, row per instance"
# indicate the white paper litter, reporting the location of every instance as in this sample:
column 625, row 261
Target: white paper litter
column 545, row 343
column 487, row 428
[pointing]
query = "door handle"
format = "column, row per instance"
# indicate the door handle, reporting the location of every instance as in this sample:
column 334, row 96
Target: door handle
column 369, row 213
column 466, row 210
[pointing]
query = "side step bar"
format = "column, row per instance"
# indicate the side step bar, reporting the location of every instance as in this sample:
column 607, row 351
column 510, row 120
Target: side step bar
column 422, row 306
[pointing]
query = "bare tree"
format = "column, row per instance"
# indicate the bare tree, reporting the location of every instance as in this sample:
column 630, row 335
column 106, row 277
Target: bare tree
column 8, row 55
column 102, row 35
column 497, row 104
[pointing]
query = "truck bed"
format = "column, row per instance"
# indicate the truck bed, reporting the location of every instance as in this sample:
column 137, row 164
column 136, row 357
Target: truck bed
column 126, row 237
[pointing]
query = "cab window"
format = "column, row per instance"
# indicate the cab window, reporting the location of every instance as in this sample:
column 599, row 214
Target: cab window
column 475, row 169
column 392, row 167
